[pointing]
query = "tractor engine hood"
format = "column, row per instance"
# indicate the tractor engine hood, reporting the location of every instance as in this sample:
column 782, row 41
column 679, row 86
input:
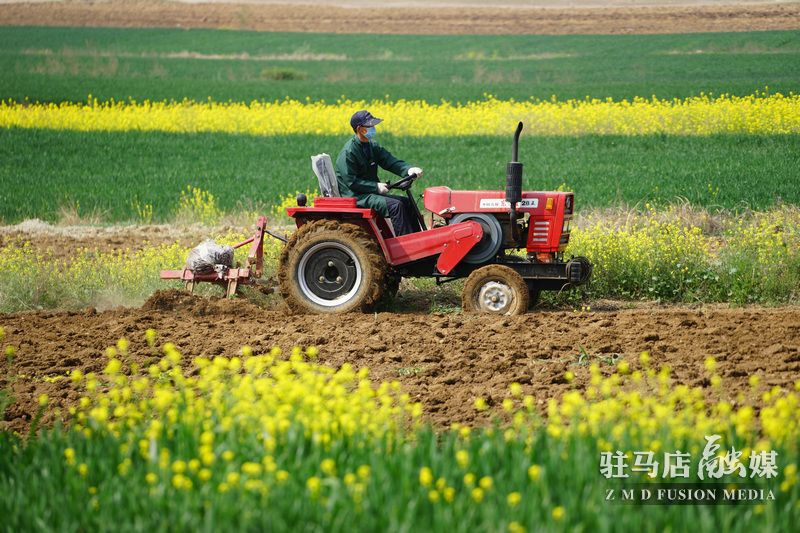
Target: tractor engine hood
column 445, row 202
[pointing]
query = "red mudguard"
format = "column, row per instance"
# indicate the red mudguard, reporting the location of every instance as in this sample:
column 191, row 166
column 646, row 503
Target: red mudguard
column 451, row 242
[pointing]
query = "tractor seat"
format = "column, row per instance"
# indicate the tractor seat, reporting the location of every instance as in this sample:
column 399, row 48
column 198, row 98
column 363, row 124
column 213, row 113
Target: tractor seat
column 323, row 168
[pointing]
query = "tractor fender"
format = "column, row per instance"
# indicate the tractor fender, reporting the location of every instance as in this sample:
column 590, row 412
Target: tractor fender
column 451, row 243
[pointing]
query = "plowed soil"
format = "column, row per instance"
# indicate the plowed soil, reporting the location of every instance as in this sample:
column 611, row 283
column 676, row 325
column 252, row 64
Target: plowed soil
column 443, row 360
column 397, row 18
column 64, row 242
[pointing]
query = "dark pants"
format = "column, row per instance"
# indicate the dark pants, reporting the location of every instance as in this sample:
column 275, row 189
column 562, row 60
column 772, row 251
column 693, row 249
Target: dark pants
column 403, row 215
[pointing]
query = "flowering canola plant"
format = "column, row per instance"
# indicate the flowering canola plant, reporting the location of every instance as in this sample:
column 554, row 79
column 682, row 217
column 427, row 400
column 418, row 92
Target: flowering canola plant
column 759, row 113
column 266, row 438
column 755, row 258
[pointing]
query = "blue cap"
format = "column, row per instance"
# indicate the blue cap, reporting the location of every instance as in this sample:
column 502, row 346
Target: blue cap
column 363, row 118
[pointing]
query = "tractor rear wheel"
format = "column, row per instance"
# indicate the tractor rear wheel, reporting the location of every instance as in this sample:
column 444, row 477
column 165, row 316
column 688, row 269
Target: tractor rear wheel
column 495, row 289
column 331, row 267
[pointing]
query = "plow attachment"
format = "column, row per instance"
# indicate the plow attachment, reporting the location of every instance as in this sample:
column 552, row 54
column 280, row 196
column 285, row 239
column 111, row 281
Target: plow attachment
column 229, row 278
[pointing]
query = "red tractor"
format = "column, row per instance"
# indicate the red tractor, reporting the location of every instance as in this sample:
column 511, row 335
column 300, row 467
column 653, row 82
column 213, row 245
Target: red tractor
column 344, row 258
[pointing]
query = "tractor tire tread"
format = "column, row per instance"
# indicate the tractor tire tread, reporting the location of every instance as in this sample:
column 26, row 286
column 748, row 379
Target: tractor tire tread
column 500, row 273
column 375, row 266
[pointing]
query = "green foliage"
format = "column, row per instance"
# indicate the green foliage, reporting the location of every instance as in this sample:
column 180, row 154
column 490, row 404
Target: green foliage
column 43, row 170
column 41, row 489
column 66, row 64
column 754, row 259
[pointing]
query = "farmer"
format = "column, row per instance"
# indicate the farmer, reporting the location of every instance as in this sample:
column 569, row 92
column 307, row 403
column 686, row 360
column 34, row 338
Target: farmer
column 357, row 174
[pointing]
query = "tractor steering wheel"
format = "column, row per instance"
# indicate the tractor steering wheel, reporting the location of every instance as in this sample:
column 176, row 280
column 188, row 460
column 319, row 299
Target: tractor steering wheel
column 403, row 183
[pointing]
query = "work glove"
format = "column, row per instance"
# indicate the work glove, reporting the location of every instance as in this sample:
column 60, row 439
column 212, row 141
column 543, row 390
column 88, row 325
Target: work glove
column 415, row 170
column 382, row 188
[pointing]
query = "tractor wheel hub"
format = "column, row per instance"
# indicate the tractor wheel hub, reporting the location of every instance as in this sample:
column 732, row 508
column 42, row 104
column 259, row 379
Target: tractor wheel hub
column 495, row 297
column 329, row 274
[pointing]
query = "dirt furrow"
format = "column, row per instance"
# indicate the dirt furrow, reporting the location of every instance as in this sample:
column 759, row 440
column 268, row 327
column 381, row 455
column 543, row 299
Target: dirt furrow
column 443, row 360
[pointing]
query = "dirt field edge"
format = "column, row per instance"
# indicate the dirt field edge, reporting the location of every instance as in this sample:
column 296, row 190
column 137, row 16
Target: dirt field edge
column 409, row 20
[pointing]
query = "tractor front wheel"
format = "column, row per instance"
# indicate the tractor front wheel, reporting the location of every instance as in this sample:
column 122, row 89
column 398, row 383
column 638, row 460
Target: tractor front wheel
column 331, row 267
column 495, row 289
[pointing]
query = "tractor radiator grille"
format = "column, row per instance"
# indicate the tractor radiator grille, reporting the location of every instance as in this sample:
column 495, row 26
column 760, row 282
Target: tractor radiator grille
column 541, row 231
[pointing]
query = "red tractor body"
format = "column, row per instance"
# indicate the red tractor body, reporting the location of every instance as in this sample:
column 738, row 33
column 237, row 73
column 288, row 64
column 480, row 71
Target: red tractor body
column 509, row 245
column 550, row 213
column 470, row 234
column 448, row 243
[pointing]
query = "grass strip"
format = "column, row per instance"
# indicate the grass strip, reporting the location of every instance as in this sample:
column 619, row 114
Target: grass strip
column 66, row 64
column 113, row 176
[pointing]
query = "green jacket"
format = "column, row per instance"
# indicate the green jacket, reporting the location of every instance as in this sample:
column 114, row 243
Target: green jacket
column 357, row 173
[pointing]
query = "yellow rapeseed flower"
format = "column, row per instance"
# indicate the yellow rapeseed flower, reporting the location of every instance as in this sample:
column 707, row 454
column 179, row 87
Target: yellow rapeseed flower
column 313, row 484
column 508, row 405
column 150, row 336
column 122, row 345
column 462, row 458
column 113, row 367
column 425, row 476
column 251, row 469
column 696, row 115
column 328, row 467
column 480, row 404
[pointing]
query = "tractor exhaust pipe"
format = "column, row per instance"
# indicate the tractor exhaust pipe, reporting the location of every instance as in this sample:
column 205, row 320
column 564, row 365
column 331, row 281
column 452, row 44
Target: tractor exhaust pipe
column 515, row 146
column 514, row 184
